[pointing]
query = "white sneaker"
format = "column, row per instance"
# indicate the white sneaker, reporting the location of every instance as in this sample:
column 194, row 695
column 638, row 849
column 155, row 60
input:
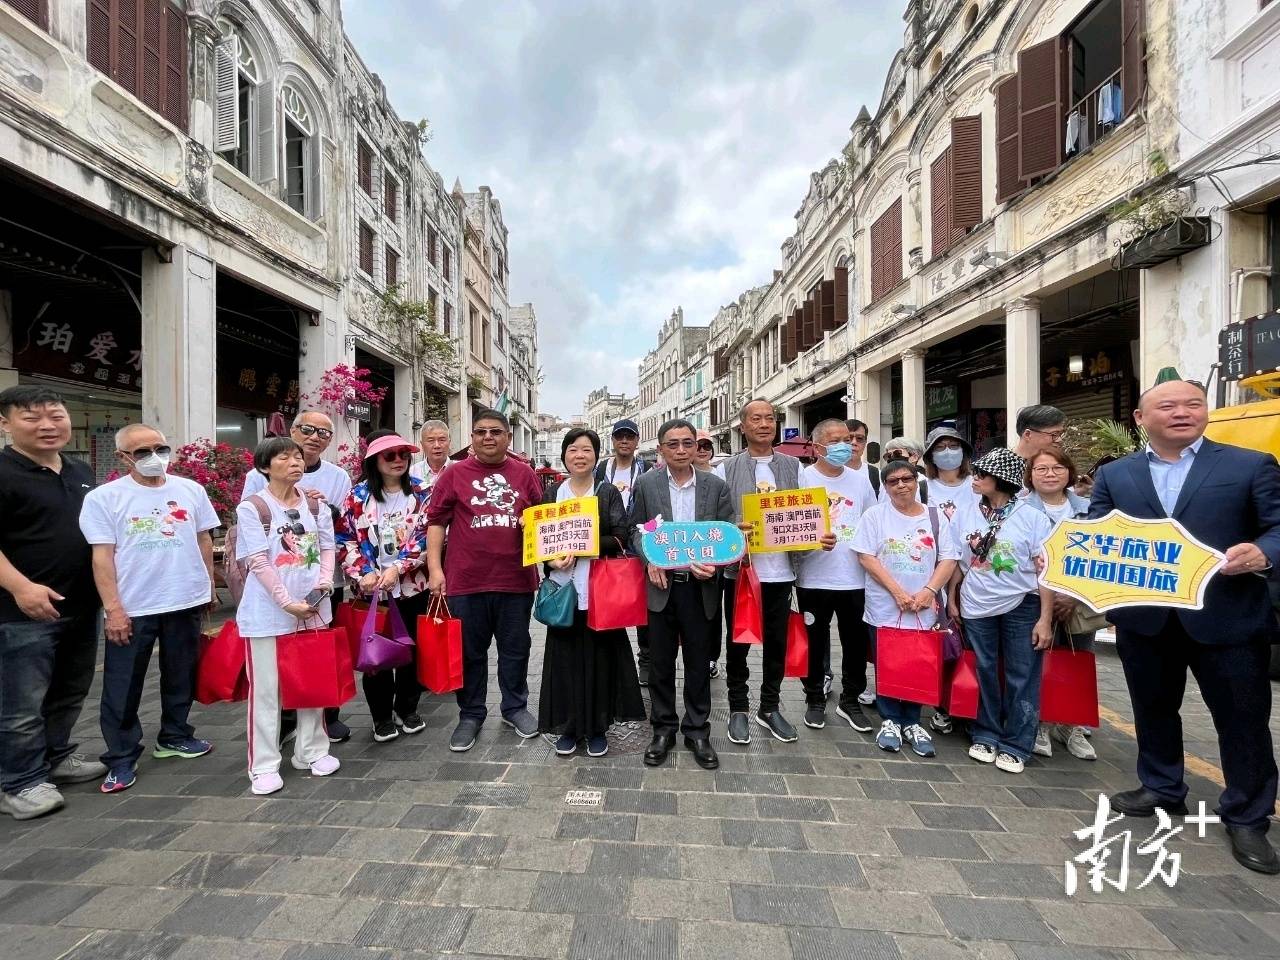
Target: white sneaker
column 983, row 753
column 1077, row 742
column 867, row 697
column 265, row 783
column 76, row 769
column 1043, row 747
column 320, row 768
column 1009, row 763
column 32, row 802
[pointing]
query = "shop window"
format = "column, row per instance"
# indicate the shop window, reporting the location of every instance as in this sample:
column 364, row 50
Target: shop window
column 302, row 189
column 391, row 198
column 886, row 251
column 364, row 165
column 391, row 268
column 37, row 11
column 142, row 46
column 365, row 244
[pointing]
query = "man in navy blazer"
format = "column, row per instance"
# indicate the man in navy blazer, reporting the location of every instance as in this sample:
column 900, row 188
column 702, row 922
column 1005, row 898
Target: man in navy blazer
column 1228, row 498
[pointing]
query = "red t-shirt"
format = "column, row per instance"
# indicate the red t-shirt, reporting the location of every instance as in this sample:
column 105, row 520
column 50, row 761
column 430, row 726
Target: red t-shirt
column 481, row 506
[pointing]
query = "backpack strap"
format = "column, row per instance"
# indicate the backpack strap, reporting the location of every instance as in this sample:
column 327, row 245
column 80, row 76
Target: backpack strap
column 933, row 522
column 264, row 512
column 924, row 490
column 873, row 474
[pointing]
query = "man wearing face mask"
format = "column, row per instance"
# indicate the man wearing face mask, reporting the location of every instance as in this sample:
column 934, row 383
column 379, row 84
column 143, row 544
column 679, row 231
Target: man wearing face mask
column 153, row 566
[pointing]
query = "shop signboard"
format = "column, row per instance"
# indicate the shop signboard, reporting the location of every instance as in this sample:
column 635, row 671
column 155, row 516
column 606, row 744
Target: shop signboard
column 104, row 354
column 259, row 380
column 1250, row 347
column 790, row 433
column 358, row 410
column 941, row 401
column 1100, row 368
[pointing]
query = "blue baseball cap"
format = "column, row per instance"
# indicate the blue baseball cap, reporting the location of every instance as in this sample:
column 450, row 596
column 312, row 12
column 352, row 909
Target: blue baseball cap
column 624, row 425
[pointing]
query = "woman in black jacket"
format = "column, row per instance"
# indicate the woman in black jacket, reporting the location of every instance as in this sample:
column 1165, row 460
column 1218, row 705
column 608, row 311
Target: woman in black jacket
column 588, row 677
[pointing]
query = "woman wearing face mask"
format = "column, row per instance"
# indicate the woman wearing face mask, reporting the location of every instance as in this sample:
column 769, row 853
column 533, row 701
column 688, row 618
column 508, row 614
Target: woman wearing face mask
column 382, row 537
column 946, row 464
column 588, row 679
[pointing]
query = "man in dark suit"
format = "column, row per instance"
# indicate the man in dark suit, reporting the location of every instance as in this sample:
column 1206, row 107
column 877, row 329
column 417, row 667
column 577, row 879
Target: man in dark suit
column 682, row 603
column 1228, row 498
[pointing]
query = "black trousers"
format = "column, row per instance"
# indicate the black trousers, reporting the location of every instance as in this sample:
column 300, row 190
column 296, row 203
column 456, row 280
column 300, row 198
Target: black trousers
column 1236, row 688
column 397, row 690
column 776, row 604
column 683, row 619
column 847, row 608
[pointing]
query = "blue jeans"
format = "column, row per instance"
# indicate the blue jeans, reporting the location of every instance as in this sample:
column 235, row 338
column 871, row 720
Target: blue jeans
column 45, row 673
column 902, row 712
column 503, row 617
column 1007, row 720
column 124, row 671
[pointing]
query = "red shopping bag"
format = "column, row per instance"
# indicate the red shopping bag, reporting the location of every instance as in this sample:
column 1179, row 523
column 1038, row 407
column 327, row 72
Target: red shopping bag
column 748, row 615
column 314, row 667
column 962, row 687
column 909, row 664
column 351, row 617
column 439, row 649
column 797, row 664
column 617, row 594
column 221, row 674
column 1069, row 688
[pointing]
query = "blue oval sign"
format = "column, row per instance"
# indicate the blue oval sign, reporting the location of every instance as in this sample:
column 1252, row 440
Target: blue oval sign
column 673, row 545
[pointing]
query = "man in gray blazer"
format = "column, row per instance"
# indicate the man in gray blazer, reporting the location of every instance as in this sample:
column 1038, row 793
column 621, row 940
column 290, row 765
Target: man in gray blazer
column 758, row 469
column 682, row 603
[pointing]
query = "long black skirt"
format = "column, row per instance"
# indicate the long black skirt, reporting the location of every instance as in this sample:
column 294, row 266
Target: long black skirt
column 588, row 681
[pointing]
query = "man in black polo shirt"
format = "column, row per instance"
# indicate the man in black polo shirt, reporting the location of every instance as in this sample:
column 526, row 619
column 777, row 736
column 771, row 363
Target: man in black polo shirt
column 48, row 605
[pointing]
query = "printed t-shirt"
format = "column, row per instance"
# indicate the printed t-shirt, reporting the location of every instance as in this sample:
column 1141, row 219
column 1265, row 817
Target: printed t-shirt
column 770, row 567
column 1000, row 582
column 948, row 498
column 906, row 548
column 481, row 504
column 327, row 479
column 848, row 497
column 155, row 530
column 390, row 529
column 623, row 479
column 294, row 555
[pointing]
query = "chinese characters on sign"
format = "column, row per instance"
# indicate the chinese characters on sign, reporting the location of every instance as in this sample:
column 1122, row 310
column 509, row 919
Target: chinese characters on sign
column 674, row 546
column 93, row 355
column 567, row 528
column 1250, row 347
column 786, row 519
column 1098, row 369
column 1118, row 561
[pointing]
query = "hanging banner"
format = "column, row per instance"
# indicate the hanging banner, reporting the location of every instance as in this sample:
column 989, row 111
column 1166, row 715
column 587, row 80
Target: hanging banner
column 786, row 519
column 675, row 545
column 1119, row 561
column 568, row 528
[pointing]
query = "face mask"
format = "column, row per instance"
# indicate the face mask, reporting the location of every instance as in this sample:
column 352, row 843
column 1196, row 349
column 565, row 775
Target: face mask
column 948, row 459
column 838, row 454
column 152, row 465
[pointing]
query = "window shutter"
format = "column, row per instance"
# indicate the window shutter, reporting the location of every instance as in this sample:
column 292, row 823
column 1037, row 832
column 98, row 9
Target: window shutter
column 789, row 339
column 152, row 19
column 1133, row 69
column 827, row 321
column 173, row 99
column 267, row 155
column 842, row 295
column 808, row 327
column 966, row 175
column 366, row 248
column 226, row 110
column 940, row 203
column 37, row 11
column 315, row 178
column 886, row 239
column 99, row 35
column 390, row 198
column 364, row 164
column 1008, row 149
column 1040, row 112
column 125, row 70
column 392, row 267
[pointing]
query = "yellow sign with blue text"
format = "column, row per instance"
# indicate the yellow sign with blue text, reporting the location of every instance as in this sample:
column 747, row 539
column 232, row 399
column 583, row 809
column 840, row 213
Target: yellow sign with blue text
column 1120, row 561
column 786, row 519
column 568, row 528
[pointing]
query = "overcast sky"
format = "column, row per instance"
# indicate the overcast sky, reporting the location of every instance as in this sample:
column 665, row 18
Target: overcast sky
column 646, row 155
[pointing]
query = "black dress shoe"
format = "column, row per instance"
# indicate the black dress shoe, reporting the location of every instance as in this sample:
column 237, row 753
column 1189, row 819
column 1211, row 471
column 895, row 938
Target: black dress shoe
column 1142, row 803
column 656, row 753
column 1252, row 849
column 703, row 753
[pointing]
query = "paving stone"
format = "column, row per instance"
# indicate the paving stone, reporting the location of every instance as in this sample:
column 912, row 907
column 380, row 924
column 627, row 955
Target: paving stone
column 282, row 810
column 221, row 871
column 43, row 903
column 220, row 914
column 389, row 845
column 1058, row 798
column 878, row 813
column 702, row 831
column 1028, row 880
column 915, row 790
column 309, row 875
column 887, row 912
column 763, row 834
column 394, row 881
column 815, row 944
column 739, row 941
column 769, row 763
column 126, row 946
column 428, row 816
column 1046, row 951
column 39, row 943
column 1100, row 925
column 333, row 951
column 219, row 837
column 912, row 874
column 943, row 844
column 519, row 821
column 493, row 795
column 785, row 907
column 481, row 887
column 1019, row 848
column 571, row 893
column 831, row 788
column 461, row 849
column 127, row 908
column 139, row 835
column 1218, row 893
column 533, row 853
column 795, row 808
column 296, row 841
column 984, row 919
column 621, row 778
column 712, row 805
column 53, row 865
column 353, row 813
column 848, row 838
column 754, row 783
column 634, row 860
column 955, row 817
column 916, row 947
column 1059, row 823
column 816, row 869
column 521, row 934
column 680, row 899
column 312, row 919
column 578, row 825
column 640, row 801
column 1213, row 932
column 621, row 939
column 408, row 926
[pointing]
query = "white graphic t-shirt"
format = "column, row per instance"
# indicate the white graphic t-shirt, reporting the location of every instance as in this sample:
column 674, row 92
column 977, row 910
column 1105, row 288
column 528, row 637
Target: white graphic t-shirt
column 951, row 498
column 623, row 478
column 906, row 547
column 390, row 528
column 998, row 583
column 848, row 497
column 770, row 567
column 159, row 568
column 293, row 547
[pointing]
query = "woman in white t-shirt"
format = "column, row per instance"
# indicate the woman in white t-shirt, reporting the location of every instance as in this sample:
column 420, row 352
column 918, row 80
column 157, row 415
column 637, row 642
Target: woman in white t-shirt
column 908, row 563
column 290, row 563
column 1008, row 616
column 946, row 464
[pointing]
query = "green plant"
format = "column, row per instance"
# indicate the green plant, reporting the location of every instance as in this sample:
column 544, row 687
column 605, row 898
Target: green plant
column 476, row 382
column 1151, row 211
column 411, row 325
column 1088, row 441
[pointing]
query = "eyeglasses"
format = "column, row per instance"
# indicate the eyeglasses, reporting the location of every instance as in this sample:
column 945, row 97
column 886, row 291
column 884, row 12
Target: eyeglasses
column 858, row 439
column 160, row 451
column 295, row 522
column 489, row 431
column 1054, row 435
column 900, row 482
column 394, row 455
column 678, row 444
column 705, row 445
column 307, row 430
column 1047, row 471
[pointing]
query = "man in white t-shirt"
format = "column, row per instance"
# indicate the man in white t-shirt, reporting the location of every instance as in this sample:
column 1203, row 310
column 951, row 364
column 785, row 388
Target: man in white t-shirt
column 832, row 584
column 153, row 566
column 435, row 453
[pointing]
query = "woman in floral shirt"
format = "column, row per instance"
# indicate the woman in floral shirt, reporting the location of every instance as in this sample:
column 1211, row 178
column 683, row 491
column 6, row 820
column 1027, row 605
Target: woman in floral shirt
column 382, row 539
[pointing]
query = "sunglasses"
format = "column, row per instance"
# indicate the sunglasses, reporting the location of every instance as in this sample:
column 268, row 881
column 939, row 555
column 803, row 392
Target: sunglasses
column 900, row 482
column 705, row 445
column 390, row 455
column 897, row 455
column 295, row 522
column 307, row 430
column 488, row 431
column 162, row 450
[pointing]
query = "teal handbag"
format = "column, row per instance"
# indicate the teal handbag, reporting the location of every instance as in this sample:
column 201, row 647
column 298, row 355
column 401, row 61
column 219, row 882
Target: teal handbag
column 556, row 603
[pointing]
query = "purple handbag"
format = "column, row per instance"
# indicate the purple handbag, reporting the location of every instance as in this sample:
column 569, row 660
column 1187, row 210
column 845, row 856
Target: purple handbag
column 377, row 652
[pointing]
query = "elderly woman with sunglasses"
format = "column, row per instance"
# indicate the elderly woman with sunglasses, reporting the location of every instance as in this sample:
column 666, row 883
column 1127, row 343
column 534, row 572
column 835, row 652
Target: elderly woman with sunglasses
column 382, row 537
column 1008, row 616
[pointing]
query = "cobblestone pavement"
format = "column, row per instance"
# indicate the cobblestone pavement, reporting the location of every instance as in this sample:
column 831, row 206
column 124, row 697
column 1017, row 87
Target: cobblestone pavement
column 824, row 849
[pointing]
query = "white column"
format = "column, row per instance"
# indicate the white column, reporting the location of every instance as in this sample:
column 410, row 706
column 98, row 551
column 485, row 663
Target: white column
column 406, row 388
column 179, row 344
column 913, row 395
column 864, row 401
column 1021, row 358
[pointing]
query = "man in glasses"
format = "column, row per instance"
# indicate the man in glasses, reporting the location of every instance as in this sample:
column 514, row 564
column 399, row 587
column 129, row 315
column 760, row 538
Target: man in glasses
column 48, row 605
column 1039, row 428
column 479, row 502
column 435, row 453
column 153, row 566
column 313, row 432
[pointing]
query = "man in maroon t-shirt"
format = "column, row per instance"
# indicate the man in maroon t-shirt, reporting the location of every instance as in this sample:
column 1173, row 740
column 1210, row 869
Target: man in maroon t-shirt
column 480, row 501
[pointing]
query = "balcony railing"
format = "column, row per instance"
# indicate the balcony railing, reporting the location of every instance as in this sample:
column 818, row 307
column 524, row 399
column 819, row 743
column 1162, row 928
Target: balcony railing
column 1094, row 115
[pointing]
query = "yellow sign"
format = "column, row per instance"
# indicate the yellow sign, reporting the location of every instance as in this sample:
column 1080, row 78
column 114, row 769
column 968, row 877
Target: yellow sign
column 1119, row 561
column 785, row 519
column 567, row 528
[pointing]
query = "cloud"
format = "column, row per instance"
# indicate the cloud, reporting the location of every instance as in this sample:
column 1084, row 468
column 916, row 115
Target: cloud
column 647, row 156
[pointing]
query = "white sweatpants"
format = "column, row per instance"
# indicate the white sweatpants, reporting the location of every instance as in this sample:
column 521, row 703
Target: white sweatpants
column 311, row 742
